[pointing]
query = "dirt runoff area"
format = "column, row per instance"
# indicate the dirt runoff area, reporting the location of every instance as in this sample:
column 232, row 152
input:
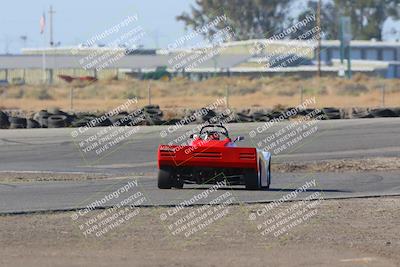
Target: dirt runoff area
column 353, row 232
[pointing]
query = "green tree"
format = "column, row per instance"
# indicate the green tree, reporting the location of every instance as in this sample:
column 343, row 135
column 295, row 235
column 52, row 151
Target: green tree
column 329, row 17
column 248, row 19
column 367, row 16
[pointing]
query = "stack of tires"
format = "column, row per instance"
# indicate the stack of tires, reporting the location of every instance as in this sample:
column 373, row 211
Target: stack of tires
column 31, row 123
column 17, row 122
column 331, row 113
column 153, row 115
column 397, row 111
column 244, row 116
column 276, row 114
column 260, row 116
column 4, row 123
column 82, row 119
column 41, row 117
column 52, row 118
column 207, row 115
column 122, row 119
column 360, row 113
column 383, row 113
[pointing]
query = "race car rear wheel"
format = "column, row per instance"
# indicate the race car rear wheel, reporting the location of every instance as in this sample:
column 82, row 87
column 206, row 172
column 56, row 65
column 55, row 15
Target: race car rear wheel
column 165, row 178
column 251, row 180
column 268, row 174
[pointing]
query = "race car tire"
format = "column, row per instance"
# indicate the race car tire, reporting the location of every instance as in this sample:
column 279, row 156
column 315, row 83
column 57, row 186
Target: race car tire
column 251, row 180
column 268, row 177
column 165, row 178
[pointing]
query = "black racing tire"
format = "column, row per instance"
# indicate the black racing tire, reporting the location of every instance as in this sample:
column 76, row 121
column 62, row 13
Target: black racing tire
column 153, row 120
column 383, row 113
column 361, row 114
column 243, row 117
column 251, row 179
column 17, row 123
column 397, row 111
column 331, row 113
column 41, row 117
column 56, row 111
column 260, row 116
column 31, row 123
column 82, row 122
column 276, row 115
column 4, row 123
column 120, row 120
column 153, row 112
column 57, row 121
column 165, row 180
column 269, row 176
column 147, row 107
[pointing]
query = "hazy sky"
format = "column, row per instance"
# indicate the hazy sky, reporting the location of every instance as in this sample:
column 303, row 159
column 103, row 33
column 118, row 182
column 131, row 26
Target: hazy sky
column 77, row 21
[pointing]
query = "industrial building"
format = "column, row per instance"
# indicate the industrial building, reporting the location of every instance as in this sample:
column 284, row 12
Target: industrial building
column 235, row 58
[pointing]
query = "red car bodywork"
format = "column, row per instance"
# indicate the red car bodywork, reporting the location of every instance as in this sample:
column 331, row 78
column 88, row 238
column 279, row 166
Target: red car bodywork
column 213, row 157
column 211, row 153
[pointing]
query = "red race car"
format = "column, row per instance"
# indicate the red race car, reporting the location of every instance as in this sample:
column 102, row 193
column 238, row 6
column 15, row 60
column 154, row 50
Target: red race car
column 213, row 157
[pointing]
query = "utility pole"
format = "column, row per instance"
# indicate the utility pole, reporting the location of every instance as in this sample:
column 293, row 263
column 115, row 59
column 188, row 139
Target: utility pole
column 51, row 12
column 319, row 37
column 345, row 43
column 227, row 97
column 149, row 93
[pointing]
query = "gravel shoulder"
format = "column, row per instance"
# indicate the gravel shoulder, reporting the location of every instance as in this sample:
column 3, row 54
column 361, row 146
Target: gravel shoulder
column 353, row 232
column 49, row 176
column 340, row 165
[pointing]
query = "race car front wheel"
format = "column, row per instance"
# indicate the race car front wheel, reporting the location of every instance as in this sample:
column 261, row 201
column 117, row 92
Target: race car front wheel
column 251, row 180
column 165, row 178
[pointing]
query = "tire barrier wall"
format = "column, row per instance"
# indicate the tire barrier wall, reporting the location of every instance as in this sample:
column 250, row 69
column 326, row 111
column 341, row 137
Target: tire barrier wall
column 153, row 115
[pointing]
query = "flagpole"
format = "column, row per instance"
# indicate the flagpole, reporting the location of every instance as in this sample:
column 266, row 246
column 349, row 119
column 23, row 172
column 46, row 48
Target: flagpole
column 44, row 59
column 43, row 29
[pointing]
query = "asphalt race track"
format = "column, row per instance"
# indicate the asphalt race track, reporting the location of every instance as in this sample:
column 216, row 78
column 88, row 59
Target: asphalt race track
column 134, row 159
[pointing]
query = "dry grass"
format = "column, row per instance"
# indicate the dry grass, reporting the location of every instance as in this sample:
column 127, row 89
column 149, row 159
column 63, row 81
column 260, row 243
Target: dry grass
column 361, row 91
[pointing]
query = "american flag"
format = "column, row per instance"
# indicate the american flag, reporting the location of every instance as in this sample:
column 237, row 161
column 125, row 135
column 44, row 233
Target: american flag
column 42, row 23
